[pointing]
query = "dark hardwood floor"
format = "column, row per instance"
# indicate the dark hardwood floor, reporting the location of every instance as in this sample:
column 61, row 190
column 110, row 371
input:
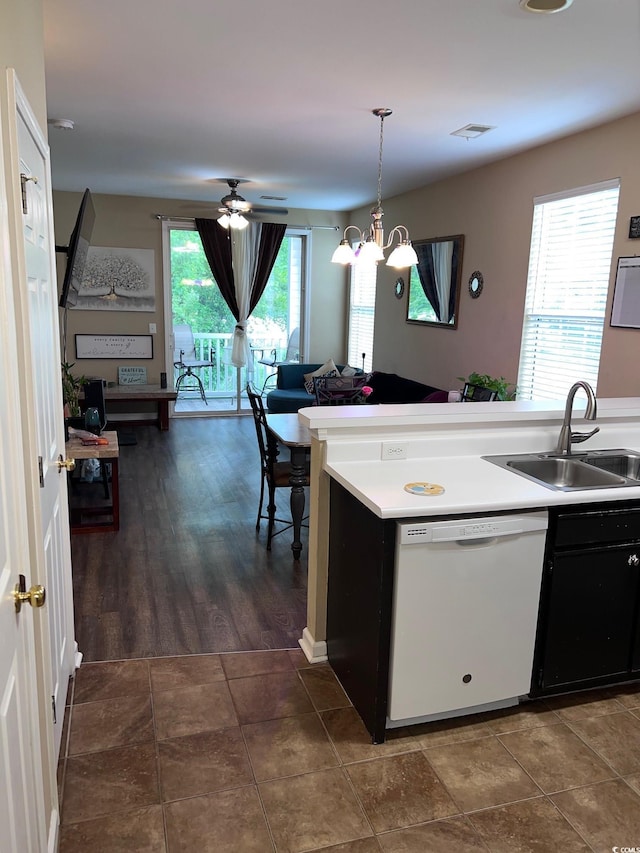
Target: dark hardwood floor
column 187, row 573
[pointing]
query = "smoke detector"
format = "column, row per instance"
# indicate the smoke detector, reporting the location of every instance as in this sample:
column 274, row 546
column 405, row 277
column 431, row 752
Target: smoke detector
column 61, row 123
column 545, row 7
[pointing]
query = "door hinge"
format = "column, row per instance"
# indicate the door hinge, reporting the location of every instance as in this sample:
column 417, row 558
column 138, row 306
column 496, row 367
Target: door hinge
column 540, row 676
column 53, row 708
column 23, row 189
column 41, row 472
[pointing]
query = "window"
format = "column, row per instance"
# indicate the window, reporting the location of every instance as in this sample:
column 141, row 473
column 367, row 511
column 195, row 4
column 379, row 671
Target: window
column 362, row 310
column 567, row 285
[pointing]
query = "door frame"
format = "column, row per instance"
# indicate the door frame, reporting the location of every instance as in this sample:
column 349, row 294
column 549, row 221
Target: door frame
column 169, row 222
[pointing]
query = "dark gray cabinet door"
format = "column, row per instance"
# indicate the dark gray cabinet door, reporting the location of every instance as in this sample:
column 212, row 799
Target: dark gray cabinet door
column 591, row 616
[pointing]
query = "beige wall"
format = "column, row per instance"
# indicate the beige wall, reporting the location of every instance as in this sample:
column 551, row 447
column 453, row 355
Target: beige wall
column 493, row 207
column 21, row 48
column 129, row 222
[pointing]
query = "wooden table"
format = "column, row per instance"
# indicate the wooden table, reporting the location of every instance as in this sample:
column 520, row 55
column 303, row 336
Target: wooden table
column 108, row 452
column 294, row 435
column 144, row 393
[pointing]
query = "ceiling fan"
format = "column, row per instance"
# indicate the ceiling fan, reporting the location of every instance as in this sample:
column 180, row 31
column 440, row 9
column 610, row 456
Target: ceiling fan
column 234, row 208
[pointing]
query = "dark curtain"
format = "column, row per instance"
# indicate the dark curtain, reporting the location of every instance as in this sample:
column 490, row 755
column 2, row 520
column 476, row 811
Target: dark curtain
column 270, row 241
column 216, row 242
column 427, row 276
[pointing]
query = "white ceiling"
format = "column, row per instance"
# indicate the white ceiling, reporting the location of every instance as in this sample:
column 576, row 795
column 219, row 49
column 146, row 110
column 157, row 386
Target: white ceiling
column 167, row 97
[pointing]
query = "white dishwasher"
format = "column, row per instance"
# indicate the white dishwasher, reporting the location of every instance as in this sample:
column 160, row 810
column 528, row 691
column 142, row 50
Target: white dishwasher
column 465, row 610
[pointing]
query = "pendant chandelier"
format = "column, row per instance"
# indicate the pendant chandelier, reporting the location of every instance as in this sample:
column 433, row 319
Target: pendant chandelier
column 371, row 246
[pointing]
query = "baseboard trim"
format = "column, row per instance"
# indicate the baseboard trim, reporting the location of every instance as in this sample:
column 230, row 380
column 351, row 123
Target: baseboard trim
column 315, row 650
column 54, row 826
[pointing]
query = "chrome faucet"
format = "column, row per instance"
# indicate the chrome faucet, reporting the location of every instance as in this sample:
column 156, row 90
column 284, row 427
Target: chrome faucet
column 566, row 437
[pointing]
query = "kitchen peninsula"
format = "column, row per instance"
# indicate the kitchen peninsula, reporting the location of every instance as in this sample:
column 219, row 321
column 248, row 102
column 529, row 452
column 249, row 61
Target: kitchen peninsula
column 359, row 503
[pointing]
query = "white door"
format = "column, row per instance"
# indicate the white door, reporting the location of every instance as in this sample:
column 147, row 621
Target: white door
column 22, row 810
column 33, row 410
column 47, row 484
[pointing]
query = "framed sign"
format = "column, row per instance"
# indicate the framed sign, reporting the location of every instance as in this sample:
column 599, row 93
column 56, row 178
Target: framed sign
column 132, row 376
column 625, row 310
column 114, row 346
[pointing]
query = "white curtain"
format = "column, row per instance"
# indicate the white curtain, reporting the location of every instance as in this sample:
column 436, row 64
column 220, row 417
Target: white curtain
column 244, row 259
column 442, row 264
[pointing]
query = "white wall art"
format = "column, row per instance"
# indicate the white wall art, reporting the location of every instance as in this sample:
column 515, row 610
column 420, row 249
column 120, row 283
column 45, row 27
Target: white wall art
column 118, row 280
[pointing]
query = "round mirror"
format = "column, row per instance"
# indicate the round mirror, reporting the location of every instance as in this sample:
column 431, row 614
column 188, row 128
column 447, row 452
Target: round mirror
column 399, row 287
column 475, row 284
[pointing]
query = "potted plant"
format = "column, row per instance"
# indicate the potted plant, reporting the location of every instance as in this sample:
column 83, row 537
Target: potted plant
column 505, row 389
column 71, row 388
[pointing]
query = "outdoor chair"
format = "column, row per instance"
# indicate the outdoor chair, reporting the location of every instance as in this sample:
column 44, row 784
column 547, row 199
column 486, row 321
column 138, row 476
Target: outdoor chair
column 273, row 473
column 292, row 355
column 186, row 361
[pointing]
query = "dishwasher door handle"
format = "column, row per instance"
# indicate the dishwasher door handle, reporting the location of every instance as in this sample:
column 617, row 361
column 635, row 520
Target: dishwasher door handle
column 476, row 543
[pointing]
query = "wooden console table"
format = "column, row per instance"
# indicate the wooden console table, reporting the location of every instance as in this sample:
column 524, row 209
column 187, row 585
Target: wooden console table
column 146, row 393
column 104, row 452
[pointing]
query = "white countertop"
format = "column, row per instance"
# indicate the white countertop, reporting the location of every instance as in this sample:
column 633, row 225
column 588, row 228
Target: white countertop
column 471, row 485
column 445, row 443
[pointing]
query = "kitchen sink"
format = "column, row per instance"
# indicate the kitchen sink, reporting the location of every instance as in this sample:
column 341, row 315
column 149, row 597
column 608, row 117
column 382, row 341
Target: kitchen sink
column 602, row 469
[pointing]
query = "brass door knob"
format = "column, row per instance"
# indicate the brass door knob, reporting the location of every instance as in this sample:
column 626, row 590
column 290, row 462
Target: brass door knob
column 34, row 596
column 68, row 464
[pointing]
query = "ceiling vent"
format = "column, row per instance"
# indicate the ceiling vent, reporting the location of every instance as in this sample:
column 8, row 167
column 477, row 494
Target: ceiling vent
column 274, row 197
column 473, row 131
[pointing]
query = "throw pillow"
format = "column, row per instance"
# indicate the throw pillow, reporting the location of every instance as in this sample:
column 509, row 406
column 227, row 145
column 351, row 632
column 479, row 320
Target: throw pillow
column 347, row 370
column 327, row 369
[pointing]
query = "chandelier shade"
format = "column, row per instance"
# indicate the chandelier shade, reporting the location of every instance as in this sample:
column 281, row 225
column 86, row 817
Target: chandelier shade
column 371, row 246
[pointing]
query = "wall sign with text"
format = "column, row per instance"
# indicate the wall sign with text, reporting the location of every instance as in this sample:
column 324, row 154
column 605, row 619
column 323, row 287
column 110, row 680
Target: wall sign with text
column 114, row 346
column 132, row 376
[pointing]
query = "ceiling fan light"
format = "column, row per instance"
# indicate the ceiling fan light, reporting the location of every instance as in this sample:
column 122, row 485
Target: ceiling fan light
column 343, row 254
column 403, row 256
column 224, row 220
column 238, row 222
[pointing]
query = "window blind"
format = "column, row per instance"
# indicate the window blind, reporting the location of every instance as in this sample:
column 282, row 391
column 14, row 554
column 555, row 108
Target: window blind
column 567, row 286
column 362, row 309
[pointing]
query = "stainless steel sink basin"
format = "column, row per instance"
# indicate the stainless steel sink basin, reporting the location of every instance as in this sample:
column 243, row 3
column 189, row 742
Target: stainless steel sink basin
column 565, row 473
column 623, row 463
column 602, row 469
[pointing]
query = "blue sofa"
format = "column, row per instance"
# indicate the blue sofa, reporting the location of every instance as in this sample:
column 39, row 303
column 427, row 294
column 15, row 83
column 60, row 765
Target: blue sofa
column 290, row 395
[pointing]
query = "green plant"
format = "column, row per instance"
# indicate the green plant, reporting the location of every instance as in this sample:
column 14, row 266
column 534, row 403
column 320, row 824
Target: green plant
column 71, row 388
column 506, row 390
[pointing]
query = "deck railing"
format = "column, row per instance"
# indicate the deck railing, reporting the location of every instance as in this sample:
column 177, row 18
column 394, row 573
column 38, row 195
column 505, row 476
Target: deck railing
column 221, row 380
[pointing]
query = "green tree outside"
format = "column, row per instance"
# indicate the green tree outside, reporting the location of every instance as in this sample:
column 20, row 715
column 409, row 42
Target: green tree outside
column 197, row 301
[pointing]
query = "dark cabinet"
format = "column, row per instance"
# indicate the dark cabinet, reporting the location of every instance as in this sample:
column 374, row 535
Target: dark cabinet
column 359, row 605
column 588, row 627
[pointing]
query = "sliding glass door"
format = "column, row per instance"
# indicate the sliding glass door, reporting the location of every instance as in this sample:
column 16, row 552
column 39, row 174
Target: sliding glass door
column 192, row 298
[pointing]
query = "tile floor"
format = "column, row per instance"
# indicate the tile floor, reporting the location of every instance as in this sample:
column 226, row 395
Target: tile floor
column 258, row 752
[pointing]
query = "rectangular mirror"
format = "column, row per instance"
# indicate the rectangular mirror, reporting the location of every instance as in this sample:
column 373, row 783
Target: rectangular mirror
column 434, row 282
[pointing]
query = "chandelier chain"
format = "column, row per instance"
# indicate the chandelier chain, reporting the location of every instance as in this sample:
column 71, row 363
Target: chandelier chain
column 380, row 162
